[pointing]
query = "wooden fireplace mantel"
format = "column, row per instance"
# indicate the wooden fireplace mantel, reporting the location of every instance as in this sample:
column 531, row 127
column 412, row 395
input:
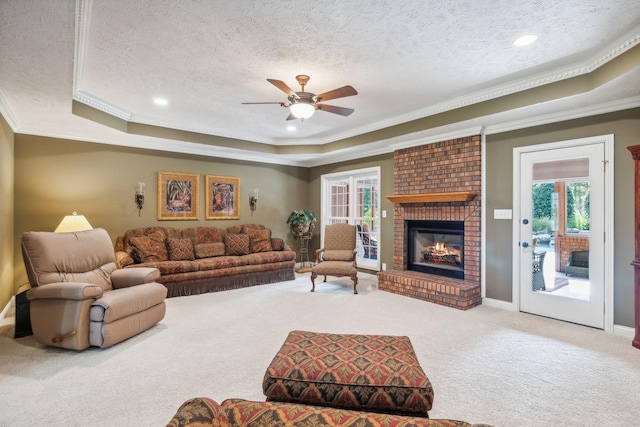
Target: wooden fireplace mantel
column 452, row 196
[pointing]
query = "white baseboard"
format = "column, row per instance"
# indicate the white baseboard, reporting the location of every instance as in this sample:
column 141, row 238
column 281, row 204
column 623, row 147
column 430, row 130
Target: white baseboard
column 8, row 312
column 619, row 330
column 496, row 303
column 624, row 331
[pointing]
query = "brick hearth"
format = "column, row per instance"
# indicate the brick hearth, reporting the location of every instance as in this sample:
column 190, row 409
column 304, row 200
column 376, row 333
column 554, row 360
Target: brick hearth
column 444, row 167
column 460, row 294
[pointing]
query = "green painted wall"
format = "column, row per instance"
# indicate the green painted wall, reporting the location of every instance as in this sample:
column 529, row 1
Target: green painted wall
column 54, row 177
column 625, row 126
column 7, row 289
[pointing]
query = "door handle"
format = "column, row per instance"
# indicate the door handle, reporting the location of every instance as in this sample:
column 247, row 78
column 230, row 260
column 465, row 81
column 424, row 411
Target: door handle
column 525, row 244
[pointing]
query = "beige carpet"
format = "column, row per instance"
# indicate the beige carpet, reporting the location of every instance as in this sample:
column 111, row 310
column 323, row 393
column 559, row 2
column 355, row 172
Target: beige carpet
column 485, row 364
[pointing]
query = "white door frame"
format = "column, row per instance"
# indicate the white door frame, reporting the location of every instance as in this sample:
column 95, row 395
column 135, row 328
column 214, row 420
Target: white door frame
column 607, row 140
column 325, row 181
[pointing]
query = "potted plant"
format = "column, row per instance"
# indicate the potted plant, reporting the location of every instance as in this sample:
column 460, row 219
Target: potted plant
column 302, row 222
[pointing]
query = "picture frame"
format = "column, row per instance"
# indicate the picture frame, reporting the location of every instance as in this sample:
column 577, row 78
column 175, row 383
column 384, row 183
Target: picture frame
column 177, row 196
column 222, row 197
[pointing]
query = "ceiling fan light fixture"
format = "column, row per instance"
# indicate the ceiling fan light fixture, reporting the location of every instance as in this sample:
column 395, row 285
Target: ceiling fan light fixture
column 302, row 110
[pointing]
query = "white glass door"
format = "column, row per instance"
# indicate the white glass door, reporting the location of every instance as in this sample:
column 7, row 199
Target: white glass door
column 561, row 233
column 353, row 197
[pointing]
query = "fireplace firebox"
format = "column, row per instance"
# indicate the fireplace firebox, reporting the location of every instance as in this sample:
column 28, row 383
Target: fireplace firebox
column 436, row 247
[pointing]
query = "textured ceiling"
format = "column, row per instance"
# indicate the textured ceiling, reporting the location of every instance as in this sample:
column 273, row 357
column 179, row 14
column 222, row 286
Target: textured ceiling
column 408, row 60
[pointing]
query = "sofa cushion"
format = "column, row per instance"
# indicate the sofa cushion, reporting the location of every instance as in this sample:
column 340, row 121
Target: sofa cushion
column 236, row 244
column 247, row 227
column 200, row 412
column 241, row 412
column 208, row 250
column 260, row 240
column 203, row 234
column 169, row 267
column 365, row 372
column 234, row 229
column 334, row 268
column 150, row 248
column 180, row 249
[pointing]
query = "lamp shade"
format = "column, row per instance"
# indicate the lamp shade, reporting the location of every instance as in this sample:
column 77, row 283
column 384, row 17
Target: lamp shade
column 72, row 223
column 302, row 110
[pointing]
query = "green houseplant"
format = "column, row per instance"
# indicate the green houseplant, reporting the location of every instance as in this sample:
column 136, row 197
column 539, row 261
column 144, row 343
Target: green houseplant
column 302, row 222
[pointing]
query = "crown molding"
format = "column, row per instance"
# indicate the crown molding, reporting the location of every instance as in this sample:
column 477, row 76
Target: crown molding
column 102, row 105
column 190, row 127
column 7, row 113
column 347, row 154
column 83, row 13
column 462, row 133
column 578, row 113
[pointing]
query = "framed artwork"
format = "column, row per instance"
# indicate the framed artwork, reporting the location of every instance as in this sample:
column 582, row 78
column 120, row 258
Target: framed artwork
column 222, row 195
column 177, row 196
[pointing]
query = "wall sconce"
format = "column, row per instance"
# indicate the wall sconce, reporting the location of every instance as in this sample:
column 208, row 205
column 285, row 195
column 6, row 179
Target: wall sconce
column 140, row 196
column 253, row 200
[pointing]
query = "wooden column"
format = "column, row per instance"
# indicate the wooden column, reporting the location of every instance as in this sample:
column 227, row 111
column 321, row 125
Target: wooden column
column 560, row 187
column 635, row 152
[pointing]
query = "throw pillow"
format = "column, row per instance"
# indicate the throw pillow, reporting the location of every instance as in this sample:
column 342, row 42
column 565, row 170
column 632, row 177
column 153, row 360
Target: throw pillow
column 277, row 244
column 208, row 235
column 208, row 250
column 123, row 259
column 236, row 244
column 247, row 227
column 150, row 248
column 260, row 240
column 180, row 249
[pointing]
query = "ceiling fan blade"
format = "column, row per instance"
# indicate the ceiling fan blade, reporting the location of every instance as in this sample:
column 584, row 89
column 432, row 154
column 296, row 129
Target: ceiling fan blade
column 335, row 110
column 283, row 87
column 275, row 102
column 341, row 92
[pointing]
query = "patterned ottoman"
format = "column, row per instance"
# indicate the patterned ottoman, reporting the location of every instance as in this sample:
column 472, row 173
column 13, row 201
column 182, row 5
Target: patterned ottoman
column 363, row 372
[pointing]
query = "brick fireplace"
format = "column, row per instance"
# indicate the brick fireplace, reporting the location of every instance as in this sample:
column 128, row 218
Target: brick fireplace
column 438, row 182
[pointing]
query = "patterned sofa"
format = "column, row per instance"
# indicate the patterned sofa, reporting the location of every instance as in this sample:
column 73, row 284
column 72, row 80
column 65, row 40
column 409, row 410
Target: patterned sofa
column 202, row 411
column 207, row 259
column 323, row 379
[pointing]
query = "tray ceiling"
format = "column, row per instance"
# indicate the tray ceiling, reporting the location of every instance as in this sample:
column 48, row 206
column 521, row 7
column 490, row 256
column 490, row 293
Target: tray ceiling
column 424, row 70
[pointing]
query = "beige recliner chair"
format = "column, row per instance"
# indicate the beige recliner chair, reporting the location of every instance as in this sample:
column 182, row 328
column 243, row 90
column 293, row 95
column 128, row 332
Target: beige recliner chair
column 78, row 297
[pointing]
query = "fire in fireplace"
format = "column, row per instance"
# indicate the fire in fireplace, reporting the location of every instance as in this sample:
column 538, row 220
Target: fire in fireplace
column 436, row 247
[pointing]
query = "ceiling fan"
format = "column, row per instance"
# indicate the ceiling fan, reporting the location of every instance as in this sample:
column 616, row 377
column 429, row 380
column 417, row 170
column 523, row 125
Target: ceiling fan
column 303, row 104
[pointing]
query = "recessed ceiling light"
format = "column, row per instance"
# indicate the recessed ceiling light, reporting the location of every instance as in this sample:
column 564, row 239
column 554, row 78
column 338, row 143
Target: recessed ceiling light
column 160, row 101
column 525, row 40
column 291, row 128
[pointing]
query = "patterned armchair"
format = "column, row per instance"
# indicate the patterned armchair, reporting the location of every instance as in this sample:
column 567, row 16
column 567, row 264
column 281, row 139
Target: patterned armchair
column 338, row 256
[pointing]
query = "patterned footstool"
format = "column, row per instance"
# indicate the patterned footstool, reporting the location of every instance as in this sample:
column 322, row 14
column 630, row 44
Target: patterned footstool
column 363, row 372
